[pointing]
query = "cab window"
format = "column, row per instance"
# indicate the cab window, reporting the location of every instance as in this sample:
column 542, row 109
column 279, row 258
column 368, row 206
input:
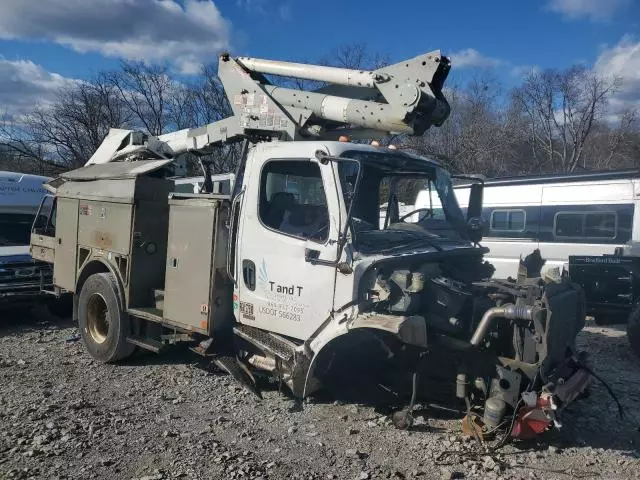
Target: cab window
column 292, row 199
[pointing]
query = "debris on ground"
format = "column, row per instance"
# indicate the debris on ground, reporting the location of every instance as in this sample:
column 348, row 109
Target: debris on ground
column 65, row 416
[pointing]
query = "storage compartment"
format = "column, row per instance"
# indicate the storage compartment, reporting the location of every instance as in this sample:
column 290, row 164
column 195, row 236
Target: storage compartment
column 148, row 257
column 197, row 292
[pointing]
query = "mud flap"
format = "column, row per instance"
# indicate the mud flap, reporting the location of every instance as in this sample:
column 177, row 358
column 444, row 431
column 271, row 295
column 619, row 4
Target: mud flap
column 234, row 367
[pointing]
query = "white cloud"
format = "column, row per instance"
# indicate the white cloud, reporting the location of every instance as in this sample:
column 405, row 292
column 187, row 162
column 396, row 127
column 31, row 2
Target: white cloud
column 470, row 57
column 149, row 30
column 623, row 61
column 23, row 85
column 252, row 6
column 596, row 10
column 283, row 9
column 521, row 71
column 286, row 12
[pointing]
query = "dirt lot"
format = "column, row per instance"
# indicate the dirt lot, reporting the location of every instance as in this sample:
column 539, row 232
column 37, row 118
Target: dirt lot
column 62, row 415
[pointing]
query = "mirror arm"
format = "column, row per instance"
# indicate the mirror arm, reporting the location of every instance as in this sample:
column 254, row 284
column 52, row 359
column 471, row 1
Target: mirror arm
column 342, row 267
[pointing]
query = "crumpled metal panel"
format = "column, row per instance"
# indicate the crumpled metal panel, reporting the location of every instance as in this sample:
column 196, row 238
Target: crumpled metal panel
column 411, row 330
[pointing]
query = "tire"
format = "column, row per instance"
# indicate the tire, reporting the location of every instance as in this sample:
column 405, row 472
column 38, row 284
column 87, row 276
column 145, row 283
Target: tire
column 633, row 330
column 103, row 325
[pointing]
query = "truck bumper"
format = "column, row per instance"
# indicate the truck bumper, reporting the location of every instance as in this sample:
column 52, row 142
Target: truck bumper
column 20, row 294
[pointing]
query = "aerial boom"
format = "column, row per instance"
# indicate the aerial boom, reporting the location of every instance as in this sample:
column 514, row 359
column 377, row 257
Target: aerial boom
column 335, row 75
column 404, row 98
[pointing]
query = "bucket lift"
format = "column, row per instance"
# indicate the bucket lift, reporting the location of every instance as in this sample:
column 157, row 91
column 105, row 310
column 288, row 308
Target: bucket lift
column 404, row 98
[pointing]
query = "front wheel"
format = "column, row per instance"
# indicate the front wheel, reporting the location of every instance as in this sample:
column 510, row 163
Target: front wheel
column 633, row 330
column 103, row 324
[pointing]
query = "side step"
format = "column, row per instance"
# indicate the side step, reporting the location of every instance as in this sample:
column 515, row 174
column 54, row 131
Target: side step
column 147, row 344
column 267, row 342
column 152, row 314
column 234, row 367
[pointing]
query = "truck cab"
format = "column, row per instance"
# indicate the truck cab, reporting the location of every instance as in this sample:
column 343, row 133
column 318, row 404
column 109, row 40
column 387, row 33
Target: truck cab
column 309, row 207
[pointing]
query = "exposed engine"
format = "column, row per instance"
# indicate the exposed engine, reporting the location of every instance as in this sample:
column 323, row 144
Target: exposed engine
column 506, row 349
column 442, row 293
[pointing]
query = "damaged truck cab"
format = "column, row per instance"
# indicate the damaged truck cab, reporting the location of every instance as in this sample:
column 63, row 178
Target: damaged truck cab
column 292, row 273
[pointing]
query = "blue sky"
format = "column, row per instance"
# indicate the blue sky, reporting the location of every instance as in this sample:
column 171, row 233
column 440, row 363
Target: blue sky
column 44, row 44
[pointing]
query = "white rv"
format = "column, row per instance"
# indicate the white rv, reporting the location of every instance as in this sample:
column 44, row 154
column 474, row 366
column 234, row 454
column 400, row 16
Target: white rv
column 21, row 278
column 588, row 213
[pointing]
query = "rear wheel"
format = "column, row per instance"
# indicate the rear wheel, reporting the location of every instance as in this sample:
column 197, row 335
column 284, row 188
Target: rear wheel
column 633, row 330
column 103, row 325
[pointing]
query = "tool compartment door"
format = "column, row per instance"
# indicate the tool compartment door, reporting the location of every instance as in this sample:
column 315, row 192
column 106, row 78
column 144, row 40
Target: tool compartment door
column 66, row 243
column 290, row 211
column 189, row 263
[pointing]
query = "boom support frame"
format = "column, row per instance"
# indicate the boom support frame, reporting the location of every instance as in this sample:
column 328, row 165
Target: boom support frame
column 402, row 98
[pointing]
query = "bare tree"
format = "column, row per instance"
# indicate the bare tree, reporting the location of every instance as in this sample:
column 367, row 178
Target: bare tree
column 67, row 133
column 199, row 103
column 356, row 56
column 147, row 91
column 613, row 145
column 209, row 101
column 554, row 122
column 561, row 108
column 479, row 134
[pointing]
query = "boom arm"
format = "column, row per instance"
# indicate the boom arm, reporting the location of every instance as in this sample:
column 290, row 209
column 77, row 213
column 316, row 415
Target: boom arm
column 402, row 98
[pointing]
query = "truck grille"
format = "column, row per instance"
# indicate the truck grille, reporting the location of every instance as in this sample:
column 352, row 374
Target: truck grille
column 24, row 277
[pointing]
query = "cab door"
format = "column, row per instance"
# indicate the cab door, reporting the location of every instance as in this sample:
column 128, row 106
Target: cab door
column 287, row 241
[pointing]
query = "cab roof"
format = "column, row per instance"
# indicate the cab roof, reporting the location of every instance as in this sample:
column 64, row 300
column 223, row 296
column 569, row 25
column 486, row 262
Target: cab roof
column 307, row 149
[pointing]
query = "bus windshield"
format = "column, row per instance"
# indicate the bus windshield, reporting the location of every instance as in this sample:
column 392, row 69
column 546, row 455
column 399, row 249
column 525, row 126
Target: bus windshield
column 15, row 229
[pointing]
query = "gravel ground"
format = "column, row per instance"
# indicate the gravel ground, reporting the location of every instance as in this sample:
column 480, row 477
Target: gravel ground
column 62, row 415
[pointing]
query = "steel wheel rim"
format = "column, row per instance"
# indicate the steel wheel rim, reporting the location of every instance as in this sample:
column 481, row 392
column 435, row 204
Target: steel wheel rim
column 97, row 323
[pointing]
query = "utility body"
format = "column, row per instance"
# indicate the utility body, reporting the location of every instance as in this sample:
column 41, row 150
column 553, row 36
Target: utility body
column 291, row 273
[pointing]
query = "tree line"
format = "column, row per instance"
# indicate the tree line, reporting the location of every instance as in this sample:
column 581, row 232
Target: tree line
column 553, row 121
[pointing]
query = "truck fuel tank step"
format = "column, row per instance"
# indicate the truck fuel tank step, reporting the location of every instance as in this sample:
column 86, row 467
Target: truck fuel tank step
column 147, row 343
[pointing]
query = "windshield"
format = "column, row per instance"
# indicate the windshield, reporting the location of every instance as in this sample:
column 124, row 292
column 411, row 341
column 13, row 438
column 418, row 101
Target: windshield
column 401, row 201
column 15, row 229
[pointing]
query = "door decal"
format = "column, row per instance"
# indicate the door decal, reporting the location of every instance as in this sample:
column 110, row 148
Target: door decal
column 282, row 300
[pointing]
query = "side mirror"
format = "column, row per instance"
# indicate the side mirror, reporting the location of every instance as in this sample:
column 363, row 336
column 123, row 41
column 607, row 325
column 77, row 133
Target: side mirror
column 474, row 229
column 474, row 207
column 311, row 255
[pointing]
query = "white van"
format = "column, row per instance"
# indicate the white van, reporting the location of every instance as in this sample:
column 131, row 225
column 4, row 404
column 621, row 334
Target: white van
column 21, row 278
column 585, row 213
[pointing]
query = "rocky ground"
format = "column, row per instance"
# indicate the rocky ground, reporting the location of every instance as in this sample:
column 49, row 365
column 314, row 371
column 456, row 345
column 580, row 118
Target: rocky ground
column 62, row 415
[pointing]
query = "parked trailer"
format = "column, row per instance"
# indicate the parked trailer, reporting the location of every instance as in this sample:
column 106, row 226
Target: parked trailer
column 612, row 288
